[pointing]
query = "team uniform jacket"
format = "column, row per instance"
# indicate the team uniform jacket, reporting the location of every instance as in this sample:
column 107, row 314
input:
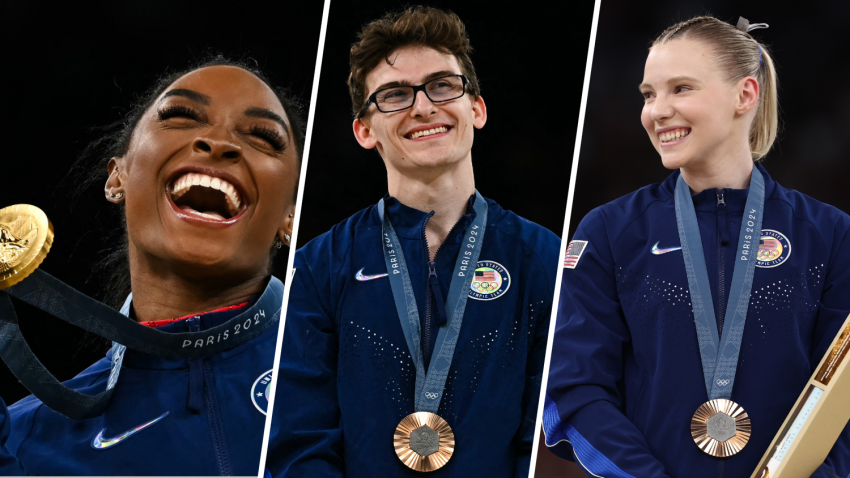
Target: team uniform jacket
column 212, row 426
column 625, row 374
column 346, row 376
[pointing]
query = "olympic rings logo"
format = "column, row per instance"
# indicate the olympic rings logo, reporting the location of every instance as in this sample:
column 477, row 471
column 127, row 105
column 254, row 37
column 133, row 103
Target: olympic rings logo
column 431, row 395
column 723, row 382
column 485, row 287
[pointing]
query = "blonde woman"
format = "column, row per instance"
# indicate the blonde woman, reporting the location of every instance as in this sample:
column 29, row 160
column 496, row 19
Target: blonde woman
column 715, row 292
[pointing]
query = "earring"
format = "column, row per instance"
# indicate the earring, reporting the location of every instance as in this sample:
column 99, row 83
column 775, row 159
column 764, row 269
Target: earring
column 116, row 196
column 287, row 237
column 116, row 169
column 277, row 243
column 290, row 215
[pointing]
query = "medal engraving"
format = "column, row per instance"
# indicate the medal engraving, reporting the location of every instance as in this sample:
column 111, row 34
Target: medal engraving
column 424, row 441
column 721, row 427
column 25, row 239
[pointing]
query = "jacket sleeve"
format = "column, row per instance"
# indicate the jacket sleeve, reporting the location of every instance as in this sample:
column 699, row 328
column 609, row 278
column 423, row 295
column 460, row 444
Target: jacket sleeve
column 584, row 407
column 9, row 464
column 548, row 259
column 306, row 437
column 832, row 312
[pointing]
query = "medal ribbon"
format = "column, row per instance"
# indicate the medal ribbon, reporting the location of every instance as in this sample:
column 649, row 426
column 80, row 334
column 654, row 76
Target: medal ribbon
column 720, row 359
column 429, row 387
column 52, row 296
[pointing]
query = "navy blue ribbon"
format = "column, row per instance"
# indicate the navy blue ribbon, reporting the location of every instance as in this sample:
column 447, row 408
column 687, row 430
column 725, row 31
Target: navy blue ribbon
column 430, row 386
column 720, row 359
column 52, row 296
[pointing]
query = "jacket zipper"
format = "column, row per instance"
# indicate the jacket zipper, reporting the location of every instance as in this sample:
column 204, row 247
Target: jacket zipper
column 194, row 325
column 433, row 291
column 720, row 313
column 426, row 333
column 215, row 422
column 722, row 241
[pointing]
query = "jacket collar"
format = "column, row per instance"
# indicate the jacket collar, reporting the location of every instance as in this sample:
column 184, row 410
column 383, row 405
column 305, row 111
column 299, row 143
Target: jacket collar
column 707, row 200
column 409, row 223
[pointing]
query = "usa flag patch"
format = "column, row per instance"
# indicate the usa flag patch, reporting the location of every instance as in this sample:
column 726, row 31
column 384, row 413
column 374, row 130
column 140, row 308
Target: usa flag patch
column 574, row 252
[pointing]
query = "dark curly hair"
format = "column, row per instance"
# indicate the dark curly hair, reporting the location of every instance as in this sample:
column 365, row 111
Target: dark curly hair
column 420, row 26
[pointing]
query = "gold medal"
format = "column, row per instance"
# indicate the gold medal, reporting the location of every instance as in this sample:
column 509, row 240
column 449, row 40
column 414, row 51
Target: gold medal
column 720, row 427
column 423, row 441
column 25, row 239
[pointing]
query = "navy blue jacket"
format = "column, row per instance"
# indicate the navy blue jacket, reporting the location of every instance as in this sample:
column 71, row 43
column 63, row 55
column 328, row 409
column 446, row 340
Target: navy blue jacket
column 213, row 426
column 347, row 379
column 625, row 374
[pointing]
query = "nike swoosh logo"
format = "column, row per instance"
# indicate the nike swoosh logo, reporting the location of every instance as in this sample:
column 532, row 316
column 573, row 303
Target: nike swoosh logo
column 359, row 276
column 658, row 252
column 100, row 443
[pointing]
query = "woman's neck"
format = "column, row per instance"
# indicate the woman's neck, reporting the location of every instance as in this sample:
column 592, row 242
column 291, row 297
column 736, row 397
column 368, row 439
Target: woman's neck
column 445, row 192
column 729, row 171
column 161, row 293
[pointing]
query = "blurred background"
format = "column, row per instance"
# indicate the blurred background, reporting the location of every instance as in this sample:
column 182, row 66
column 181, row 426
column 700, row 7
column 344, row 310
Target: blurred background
column 530, row 64
column 808, row 42
column 70, row 68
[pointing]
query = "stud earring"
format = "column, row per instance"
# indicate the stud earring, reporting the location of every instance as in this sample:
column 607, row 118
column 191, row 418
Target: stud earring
column 116, row 196
column 290, row 215
column 287, row 237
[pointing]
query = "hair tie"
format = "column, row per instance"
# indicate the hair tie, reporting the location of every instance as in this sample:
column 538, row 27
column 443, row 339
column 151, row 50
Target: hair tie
column 745, row 26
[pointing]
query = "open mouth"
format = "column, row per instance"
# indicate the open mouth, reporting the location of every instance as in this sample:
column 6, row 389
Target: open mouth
column 209, row 197
column 428, row 132
column 673, row 135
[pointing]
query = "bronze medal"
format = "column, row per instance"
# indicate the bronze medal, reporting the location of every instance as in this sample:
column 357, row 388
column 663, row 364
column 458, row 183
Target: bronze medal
column 25, row 239
column 720, row 427
column 423, row 441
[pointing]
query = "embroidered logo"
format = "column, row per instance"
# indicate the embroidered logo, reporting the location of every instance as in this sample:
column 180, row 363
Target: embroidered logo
column 574, row 252
column 359, row 276
column 260, row 391
column 658, row 251
column 774, row 249
column 100, row 443
column 491, row 281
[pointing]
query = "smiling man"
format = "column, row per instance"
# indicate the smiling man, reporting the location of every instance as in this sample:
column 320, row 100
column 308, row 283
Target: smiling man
column 416, row 328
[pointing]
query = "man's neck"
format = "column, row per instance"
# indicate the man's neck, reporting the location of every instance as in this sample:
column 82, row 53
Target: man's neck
column 445, row 192
column 161, row 293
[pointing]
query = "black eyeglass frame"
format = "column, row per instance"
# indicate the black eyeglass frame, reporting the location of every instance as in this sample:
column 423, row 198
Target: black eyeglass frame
column 416, row 89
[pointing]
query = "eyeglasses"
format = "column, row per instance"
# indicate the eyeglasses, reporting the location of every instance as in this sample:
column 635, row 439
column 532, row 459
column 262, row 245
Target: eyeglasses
column 397, row 98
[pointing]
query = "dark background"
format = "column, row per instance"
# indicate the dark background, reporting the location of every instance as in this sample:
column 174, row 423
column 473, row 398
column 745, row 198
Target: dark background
column 810, row 47
column 71, row 67
column 530, row 64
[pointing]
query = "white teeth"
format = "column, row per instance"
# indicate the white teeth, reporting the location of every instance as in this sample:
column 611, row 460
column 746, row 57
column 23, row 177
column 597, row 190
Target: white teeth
column 428, row 132
column 672, row 136
column 187, row 181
